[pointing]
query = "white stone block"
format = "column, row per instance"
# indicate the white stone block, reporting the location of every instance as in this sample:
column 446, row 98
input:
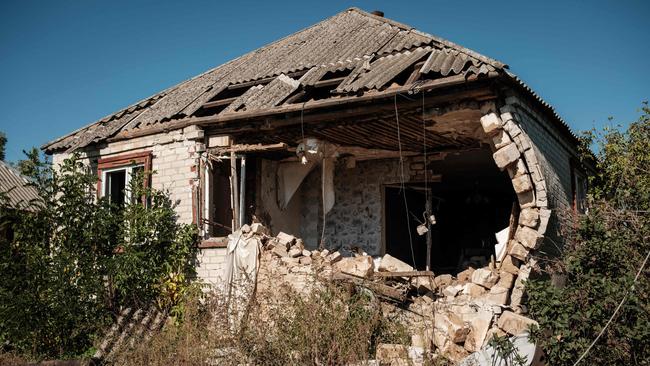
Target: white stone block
column 505, row 156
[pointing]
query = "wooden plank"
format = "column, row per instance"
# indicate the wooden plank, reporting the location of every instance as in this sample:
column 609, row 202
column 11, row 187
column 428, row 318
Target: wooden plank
column 378, row 288
column 219, row 103
column 404, row 274
column 248, row 148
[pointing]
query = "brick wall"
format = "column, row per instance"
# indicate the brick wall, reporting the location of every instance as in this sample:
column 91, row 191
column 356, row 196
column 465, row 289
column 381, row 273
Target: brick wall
column 356, row 218
column 174, row 157
column 554, row 152
column 210, row 265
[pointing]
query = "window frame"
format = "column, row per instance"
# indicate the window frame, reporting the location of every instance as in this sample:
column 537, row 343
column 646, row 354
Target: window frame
column 579, row 184
column 125, row 162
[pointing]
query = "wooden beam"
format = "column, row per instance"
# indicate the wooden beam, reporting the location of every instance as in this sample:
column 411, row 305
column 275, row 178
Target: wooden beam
column 377, row 288
column 329, row 82
column 319, row 110
column 248, row 148
column 404, row 274
column 219, row 103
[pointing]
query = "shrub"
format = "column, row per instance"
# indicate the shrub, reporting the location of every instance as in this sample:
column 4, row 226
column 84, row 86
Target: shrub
column 74, row 260
column 604, row 250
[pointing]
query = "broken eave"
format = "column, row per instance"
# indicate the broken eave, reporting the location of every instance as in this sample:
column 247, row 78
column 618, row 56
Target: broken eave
column 437, row 92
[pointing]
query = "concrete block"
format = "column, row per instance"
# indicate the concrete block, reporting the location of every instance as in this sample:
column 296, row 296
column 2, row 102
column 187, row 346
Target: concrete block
column 497, row 295
column 530, row 238
column 512, row 129
column 514, row 324
column 501, row 139
column 485, row 277
column 473, row 290
column 522, row 183
column 529, row 217
column 544, row 217
column 356, row 266
column 392, row 264
column 526, row 199
column 518, row 251
column 522, row 142
column 506, row 155
column 491, row 123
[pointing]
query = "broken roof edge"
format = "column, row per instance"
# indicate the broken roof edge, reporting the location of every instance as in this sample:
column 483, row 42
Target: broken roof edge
column 435, row 84
column 156, row 98
column 494, row 62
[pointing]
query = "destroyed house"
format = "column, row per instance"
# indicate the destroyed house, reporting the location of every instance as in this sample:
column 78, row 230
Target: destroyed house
column 357, row 134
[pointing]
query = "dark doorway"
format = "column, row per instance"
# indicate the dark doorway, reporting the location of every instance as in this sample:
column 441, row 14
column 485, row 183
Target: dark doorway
column 398, row 220
column 471, row 203
column 221, row 211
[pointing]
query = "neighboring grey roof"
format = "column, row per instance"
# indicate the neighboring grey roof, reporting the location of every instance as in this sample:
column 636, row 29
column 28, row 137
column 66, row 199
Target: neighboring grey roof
column 339, row 41
column 131, row 327
column 17, row 188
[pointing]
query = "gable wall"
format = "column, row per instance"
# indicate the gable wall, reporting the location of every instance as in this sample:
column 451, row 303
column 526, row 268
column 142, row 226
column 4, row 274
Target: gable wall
column 554, row 152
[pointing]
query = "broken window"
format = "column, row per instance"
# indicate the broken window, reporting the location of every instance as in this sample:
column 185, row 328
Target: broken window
column 579, row 185
column 115, row 175
column 218, row 216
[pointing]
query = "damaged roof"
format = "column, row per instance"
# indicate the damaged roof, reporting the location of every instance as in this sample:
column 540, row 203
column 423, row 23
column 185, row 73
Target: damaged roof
column 17, row 189
column 370, row 52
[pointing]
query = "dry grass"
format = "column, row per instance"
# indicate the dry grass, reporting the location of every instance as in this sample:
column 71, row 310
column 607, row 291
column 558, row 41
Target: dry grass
column 333, row 325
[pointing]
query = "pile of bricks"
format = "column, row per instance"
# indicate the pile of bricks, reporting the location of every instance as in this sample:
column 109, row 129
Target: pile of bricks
column 450, row 316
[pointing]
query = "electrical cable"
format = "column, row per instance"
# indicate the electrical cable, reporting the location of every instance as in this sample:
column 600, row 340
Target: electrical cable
column 402, row 185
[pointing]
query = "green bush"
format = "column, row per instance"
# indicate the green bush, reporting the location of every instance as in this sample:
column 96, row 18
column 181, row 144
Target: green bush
column 604, row 250
column 72, row 262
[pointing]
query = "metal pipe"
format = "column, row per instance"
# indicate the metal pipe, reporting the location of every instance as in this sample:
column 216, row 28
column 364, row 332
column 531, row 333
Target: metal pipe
column 234, row 197
column 428, row 209
column 242, row 190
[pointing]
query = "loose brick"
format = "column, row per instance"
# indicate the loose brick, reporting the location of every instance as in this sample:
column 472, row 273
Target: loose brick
column 506, row 156
column 491, row 123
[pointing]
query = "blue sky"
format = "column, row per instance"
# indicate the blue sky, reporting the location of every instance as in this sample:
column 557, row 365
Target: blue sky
column 65, row 64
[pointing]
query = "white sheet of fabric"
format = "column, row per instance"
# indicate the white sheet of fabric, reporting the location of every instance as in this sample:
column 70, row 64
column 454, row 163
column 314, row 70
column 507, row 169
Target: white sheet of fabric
column 289, row 177
column 328, row 185
column 241, row 261
column 502, row 241
column 489, row 357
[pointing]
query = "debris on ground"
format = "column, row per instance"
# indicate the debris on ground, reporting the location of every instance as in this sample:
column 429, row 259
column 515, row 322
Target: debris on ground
column 448, row 316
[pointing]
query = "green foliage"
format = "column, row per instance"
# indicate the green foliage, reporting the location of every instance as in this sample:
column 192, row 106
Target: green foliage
column 604, row 250
column 622, row 163
column 505, row 352
column 69, row 264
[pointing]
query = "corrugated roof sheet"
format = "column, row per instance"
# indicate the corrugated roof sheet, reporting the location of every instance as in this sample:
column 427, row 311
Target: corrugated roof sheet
column 348, row 36
column 385, row 69
column 132, row 326
column 17, row 189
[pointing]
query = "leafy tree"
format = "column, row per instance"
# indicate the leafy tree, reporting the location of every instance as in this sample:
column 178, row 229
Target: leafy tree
column 604, row 252
column 74, row 260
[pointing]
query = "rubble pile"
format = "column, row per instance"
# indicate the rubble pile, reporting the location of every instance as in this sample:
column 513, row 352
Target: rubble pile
column 452, row 316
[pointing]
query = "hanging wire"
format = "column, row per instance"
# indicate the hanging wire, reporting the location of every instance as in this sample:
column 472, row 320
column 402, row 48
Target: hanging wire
column 402, row 185
column 426, row 171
